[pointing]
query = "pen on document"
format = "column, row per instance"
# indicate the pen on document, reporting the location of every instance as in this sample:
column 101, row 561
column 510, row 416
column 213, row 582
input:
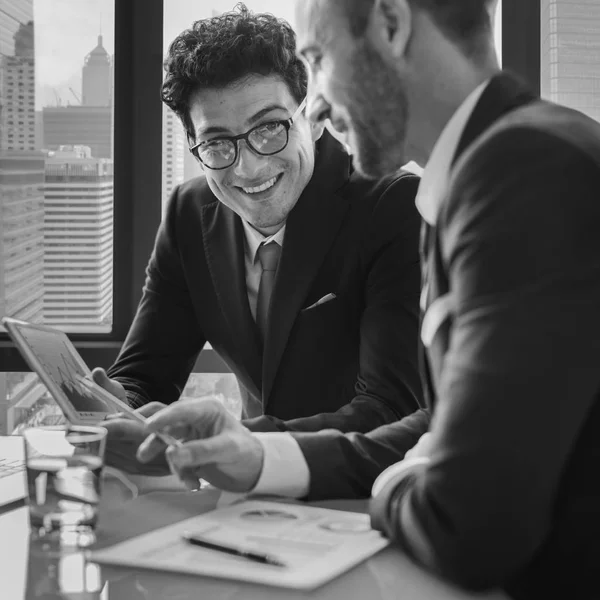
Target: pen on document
column 249, row 554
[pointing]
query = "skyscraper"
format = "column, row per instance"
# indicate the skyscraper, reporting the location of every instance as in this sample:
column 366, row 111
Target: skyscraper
column 18, row 92
column 570, row 54
column 21, row 192
column 79, row 126
column 174, row 146
column 97, row 77
column 21, row 169
column 78, row 240
column 89, row 124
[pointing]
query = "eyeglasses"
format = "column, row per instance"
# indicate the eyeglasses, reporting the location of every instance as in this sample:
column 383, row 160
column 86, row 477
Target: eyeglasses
column 264, row 139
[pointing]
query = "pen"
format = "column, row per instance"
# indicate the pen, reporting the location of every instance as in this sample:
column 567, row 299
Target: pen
column 249, row 554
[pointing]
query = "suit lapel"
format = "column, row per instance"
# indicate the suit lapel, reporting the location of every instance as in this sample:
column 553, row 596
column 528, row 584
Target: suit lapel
column 310, row 231
column 224, row 250
column 503, row 94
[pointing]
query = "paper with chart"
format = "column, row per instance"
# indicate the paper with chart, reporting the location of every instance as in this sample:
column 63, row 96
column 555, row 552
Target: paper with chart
column 317, row 544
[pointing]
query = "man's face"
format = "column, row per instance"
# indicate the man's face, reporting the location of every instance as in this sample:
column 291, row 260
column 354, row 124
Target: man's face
column 352, row 84
column 233, row 110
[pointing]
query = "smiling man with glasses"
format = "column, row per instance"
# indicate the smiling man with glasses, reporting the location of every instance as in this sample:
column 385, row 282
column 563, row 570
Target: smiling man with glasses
column 301, row 274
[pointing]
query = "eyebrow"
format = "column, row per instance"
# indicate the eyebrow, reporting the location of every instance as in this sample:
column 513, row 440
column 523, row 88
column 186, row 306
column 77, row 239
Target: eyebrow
column 251, row 121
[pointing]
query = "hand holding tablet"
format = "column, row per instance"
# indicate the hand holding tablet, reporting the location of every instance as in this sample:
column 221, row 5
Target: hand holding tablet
column 50, row 353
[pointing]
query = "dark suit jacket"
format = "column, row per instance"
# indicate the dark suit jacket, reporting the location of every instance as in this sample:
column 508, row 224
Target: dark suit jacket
column 512, row 494
column 352, row 361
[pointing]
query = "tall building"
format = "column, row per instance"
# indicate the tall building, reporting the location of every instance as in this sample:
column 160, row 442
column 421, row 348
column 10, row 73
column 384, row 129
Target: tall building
column 91, row 123
column 79, row 126
column 21, row 169
column 18, row 93
column 96, row 80
column 78, row 240
column 21, row 234
column 570, row 54
column 21, row 194
column 191, row 168
column 174, row 146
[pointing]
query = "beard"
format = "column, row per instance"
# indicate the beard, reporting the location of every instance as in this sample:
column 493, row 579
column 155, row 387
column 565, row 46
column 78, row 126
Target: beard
column 378, row 110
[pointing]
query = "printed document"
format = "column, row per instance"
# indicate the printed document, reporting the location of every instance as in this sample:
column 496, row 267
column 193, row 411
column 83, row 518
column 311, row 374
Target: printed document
column 316, row 544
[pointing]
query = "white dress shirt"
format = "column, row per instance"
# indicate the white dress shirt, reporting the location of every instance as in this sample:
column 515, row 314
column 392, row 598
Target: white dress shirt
column 285, row 471
column 253, row 239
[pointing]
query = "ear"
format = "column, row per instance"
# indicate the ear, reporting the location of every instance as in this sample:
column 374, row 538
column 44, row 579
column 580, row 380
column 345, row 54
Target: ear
column 390, row 26
column 316, row 130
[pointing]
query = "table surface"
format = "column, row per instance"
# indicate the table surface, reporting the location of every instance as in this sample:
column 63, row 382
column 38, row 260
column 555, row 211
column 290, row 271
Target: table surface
column 28, row 571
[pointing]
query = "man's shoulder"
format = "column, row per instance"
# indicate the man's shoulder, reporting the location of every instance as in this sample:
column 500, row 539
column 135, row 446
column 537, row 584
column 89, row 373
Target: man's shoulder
column 195, row 191
column 401, row 182
column 189, row 197
column 388, row 197
column 557, row 125
column 538, row 154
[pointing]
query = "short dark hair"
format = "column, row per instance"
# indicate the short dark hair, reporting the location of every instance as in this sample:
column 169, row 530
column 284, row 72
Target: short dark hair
column 219, row 51
column 463, row 22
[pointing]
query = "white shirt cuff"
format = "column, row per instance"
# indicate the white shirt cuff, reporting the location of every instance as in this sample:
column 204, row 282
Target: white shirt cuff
column 397, row 472
column 285, row 470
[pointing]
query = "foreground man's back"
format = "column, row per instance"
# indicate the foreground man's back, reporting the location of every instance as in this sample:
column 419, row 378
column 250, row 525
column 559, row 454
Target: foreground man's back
column 510, row 495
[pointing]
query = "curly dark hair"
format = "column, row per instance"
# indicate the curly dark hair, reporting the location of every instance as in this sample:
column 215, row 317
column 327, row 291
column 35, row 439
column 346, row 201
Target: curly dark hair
column 218, row 51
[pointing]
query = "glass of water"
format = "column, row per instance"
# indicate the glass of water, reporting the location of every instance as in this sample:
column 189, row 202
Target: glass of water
column 64, row 467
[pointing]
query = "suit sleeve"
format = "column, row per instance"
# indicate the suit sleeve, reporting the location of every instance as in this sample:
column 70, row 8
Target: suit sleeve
column 388, row 385
column 345, row 465
column 520, row 237
column 164, row 340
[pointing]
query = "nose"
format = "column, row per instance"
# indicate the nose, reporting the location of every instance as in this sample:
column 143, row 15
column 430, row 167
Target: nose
column 248, row 163
column 318, row 109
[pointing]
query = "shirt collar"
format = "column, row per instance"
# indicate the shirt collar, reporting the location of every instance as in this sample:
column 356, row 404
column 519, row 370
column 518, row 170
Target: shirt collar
column 255, row 238
column 437, row 171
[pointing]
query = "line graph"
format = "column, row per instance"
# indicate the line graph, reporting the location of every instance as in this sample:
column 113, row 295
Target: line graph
column 55, row 357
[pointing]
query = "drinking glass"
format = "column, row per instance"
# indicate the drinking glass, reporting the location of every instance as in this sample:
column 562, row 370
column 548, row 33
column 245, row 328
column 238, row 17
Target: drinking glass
column 64, row 467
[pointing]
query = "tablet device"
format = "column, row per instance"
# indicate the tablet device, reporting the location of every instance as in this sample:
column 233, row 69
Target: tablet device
column 50, row 353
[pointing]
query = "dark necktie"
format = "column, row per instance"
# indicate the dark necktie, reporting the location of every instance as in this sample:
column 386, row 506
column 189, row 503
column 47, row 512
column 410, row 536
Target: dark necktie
column 268, row 255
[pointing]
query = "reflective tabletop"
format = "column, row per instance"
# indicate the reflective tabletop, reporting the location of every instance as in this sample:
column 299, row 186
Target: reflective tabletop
column 30, row 569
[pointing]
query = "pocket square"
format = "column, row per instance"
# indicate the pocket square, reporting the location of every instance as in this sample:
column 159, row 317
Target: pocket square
column 326, row 298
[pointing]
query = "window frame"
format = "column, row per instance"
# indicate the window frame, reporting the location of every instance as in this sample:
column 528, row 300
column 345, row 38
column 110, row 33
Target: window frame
column 521, row 40
column 138, row 160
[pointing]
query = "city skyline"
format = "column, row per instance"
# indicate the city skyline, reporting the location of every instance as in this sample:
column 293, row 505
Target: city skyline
column 58, row 57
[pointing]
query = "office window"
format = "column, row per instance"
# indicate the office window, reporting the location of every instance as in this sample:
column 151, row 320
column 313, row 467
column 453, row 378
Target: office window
column 56, row 167
column 25, row 402
column 570, row 54
column 56, row 178
column 498, row 31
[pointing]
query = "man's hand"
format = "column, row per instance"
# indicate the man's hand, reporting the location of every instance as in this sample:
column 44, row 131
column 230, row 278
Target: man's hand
column 218, row 448
column 421, row 449
column 126, row 434
column 110, row 385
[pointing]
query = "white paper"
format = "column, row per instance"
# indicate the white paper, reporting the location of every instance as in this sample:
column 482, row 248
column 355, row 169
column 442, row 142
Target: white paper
column 316, row 544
